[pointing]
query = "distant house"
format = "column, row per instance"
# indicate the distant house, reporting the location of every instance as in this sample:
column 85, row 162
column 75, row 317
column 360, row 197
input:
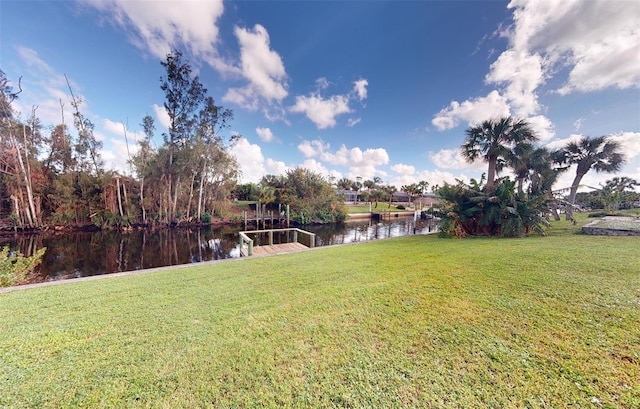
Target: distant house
column 400, row 197
column 348, row 196
column 428, row 200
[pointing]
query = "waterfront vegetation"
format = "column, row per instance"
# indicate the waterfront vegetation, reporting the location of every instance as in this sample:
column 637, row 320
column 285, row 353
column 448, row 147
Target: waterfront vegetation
column 416, row 321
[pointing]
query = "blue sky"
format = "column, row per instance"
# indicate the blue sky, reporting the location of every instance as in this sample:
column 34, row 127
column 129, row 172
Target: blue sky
column 348, row 89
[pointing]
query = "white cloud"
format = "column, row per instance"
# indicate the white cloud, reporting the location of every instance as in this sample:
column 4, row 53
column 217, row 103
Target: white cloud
column 265, row 134
column 320, row 111
column 472, row 111
column 545, row 42
column 161, row 115
column 322, row 83
column 158, row 27
column 315, row 166
column 323, row 111
column 118, row 128
column 602, row 51
column 261, row 67
column 403, row 169
column 521, row 74
column 542, row 126
column 351, row 122
column 250, row 159
column 31, row 58
column 453, row 159
column 274, row 167
column 630, row 142
column 360, row 88
column 343, row 156
column 360, row 163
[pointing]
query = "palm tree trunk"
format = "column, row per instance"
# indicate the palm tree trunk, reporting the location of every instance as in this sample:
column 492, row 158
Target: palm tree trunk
column 572, row 195
column 491, row 172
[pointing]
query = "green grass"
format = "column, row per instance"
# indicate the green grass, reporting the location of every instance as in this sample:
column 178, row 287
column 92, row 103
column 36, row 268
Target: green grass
column 551, row 322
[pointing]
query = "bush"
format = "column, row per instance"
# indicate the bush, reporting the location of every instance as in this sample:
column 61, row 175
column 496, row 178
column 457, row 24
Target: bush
column 400, row 207
column 470, row 210
column 206, row 218
column 14, row 267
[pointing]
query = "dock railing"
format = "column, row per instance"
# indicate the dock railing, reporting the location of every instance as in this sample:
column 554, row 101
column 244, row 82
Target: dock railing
column 245, row 239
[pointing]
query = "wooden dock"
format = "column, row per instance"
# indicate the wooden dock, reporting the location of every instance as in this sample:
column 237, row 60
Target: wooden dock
column 275, row 249
column 248, row 249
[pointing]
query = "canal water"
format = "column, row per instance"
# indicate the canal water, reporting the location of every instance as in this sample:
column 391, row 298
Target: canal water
column 81, row 254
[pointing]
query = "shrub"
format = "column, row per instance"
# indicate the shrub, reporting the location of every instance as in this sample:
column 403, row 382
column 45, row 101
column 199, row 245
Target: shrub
column 400, row 207
column 206, row 218
column 469, row 210
column 14, row 267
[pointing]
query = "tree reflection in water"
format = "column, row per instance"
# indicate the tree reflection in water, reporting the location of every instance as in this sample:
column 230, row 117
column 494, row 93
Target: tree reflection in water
column 81, row 254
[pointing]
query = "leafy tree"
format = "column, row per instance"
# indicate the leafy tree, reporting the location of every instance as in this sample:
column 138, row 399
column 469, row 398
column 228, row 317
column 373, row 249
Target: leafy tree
column 617, row 190
column 141, row 161
column 345, row 184
column 183, row 95
column 492, row 141
column 601, row 154
column 310, row 197
column 246, row 191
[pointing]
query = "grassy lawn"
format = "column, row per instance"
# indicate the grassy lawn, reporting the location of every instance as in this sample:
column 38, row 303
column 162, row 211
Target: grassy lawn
column 551, row 322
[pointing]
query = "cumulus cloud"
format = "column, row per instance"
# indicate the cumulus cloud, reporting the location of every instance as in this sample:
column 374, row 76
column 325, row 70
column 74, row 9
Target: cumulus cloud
column 320, row 111
column 343, row 156
column 360, row 163
column 403, row 169
column 158, row 27
column 161, row 115
column 315, row 166
column 261, row 67
column 630, row 142
column 360, row 88
column 250, row 160
column 545, row 42
column 265, row 134
column 472, row 111
column 324, row 111
column 453, row 159
column 521, row 74
column 602, row 51
column 274, row 167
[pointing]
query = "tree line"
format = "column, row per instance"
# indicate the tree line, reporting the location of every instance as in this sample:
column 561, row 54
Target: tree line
column 55, row 175
column 498, row 206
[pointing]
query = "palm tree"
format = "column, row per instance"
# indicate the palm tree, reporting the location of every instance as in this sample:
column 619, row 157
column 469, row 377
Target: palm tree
column 493, row 140
column 526, row 160
column 600, row 154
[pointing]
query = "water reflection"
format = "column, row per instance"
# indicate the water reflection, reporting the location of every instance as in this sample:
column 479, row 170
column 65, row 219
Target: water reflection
column 81, row 254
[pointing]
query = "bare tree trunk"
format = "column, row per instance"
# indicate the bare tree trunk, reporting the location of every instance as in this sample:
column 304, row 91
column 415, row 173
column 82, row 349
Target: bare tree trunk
column 175, row 200
column 200, row 193
column 144, row 210
column 193, row 181
column 30, row 213
column 119, row 197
